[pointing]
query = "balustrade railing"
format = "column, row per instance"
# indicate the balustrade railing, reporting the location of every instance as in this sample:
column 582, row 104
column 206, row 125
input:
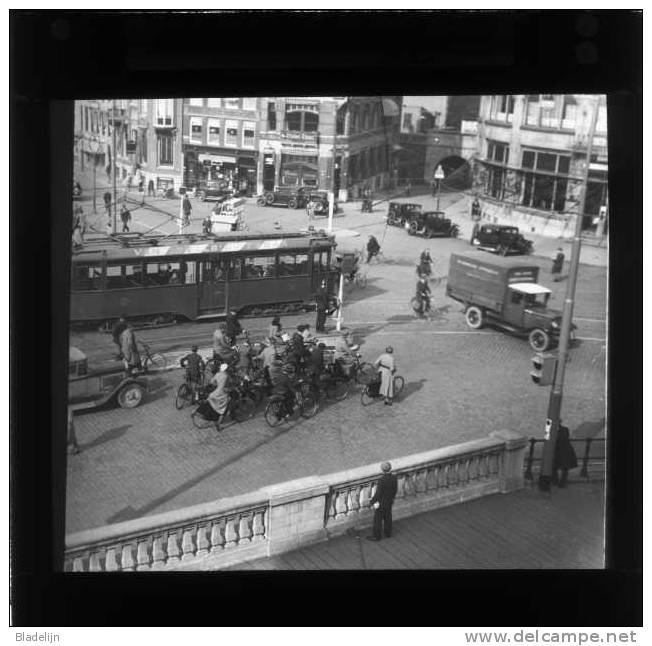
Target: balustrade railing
column 168, row 540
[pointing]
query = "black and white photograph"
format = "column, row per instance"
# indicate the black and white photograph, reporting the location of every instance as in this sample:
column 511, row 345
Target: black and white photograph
column 303, row 325
column 315, row 311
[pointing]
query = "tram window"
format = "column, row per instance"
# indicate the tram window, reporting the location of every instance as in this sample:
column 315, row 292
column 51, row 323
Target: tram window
column 121, row 276
column 259, row 267
column 188, row 272
column 235, row 269
column 213, row 271
column 301, row 264
column 87, row 277
column 286, row 265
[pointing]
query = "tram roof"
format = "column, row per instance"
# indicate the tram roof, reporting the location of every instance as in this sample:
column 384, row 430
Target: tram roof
column 194, row 246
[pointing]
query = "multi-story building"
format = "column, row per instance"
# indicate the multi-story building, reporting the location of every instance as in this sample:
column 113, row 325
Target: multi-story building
column 531, row 159
column 330, row 143
column 220, row 140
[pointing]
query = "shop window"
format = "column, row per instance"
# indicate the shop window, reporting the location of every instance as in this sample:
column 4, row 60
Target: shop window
column 165, row 155
column 547, row 192
column 547, row 162
column 259, row 267
column 213, row 131
column 87, row 277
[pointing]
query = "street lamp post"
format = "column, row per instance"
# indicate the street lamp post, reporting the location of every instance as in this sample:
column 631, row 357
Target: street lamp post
column 94, row 145
column 554, row 404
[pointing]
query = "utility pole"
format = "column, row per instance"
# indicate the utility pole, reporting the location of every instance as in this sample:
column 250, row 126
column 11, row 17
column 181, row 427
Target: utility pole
column 114, row 171
column 554, row 404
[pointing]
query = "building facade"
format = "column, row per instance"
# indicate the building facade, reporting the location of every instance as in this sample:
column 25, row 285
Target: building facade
column 531, row 159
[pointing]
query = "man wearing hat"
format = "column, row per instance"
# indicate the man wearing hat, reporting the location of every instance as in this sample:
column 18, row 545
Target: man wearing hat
column 382, row 502
column 557, row 265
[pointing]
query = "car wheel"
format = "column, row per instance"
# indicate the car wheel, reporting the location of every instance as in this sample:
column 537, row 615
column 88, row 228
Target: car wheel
column 539, row 340
column 201, row 196
column 474, row 317
column 260, row 201
column 130, row 396
column 412, row 228
column 269, row 199
column 293, row 204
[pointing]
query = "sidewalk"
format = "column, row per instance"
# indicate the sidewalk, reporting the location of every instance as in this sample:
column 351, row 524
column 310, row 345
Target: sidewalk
column 522, row 530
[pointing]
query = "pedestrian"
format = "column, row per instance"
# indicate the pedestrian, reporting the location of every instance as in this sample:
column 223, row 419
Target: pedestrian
column 129, row 349
column 73, row 447
column 475, row 209
column 557, row 265
column 107, row 202
column 564, row 457
column 373, row 247
column 207, row 225
column 108, row 172
column 125, row 216
column 423, row 296
column 408, row 188
column 382, row 502
column 425, row 263
column 233, row 327
column 268, row 356
column 187, row 208
column 322, row 307
column 310, row 209
column 150, row 188
column 127, row 183
column 141, row 182
column 386, row 365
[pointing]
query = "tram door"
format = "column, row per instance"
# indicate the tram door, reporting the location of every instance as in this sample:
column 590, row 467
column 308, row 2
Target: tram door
column 212, row 290
column 319, row 269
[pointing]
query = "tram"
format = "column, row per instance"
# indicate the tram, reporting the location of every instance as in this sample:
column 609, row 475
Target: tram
column 200, row 277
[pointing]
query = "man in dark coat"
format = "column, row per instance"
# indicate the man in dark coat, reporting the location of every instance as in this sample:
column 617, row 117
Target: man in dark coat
column 373, row 247
column 564, row 458
column 118, row 328
column 233, row 327
column 423, row 296
column 382, row 502
column 557, row 265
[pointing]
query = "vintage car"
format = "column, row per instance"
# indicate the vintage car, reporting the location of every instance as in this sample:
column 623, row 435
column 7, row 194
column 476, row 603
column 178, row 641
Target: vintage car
column 431, row 224
column 500, row 238
column 320, row 200
column 215, row 188
column 294, row 198
column 89, row 389
column 399, row 213
column 227, row 216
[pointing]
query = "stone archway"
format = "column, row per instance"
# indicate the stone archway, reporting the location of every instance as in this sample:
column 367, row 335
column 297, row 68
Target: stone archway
column 457, row 173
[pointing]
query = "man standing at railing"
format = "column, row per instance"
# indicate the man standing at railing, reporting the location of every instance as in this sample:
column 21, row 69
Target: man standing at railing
column 382, row 502
column 564, row 458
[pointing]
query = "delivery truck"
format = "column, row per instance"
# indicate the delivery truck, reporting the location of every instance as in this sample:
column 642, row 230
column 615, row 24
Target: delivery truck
column 504, row 292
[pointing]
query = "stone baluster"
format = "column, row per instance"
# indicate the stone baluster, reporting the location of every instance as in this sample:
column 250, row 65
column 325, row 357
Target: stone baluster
column 78, row 564
column 352, row 501
column 400, row 481
column 467, row 470
column 332, row 497
column 473, row 467
column 494, row 467
column 244, row 529
column 111, row 563
column 188, row 543
column 142, row 556
column 432, row 478
column 421, row 481
column 484, row 465
column 202, row 541
column 230, row 533
column 340, row 504
column 158, row 553
column 173, row 549
column 446, row 477
column 95, row 562
column 365, row 495
column 408, row 485
column 217, row 538
column 127, row 558
column 258, row 525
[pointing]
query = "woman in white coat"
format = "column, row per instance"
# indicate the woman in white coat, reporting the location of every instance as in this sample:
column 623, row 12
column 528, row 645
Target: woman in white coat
column 386, row 365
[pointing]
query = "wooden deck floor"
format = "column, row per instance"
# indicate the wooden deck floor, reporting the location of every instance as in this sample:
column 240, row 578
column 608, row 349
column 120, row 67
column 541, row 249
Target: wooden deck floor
column 526, row 529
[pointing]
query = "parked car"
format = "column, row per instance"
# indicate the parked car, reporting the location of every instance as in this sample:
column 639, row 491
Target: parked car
column 215, row 188
column 431, row 224
column 320, row 199
column 76, row 190
column 89, row 389
column 399, row 213
column 294, row 198
column 504, row 292
column 500, row 238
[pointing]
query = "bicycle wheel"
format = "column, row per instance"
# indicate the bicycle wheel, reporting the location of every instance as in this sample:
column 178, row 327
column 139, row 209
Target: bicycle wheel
column 184, row 396
column 308, row 406
column 274, row 412
column 365, row 397
column 242, row 409
column 399, row 383
column 210, row 370
column 156, row 361
column 365, row 373
column 337, row 389
column 201, row 422
column 255, row 393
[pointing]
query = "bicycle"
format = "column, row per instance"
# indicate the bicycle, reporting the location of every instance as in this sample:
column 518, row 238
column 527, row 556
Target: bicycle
column 362, row 372
column 188, row 392
column 356, row 279
column 370, row 392
column 330, row 384
column 239, row 408
column 278, row 409
column 156, row 360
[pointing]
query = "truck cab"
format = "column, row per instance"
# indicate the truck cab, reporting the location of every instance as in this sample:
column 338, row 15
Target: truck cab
column 504, row 292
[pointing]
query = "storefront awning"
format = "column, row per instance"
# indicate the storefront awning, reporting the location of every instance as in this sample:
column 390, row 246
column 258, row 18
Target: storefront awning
column 222, row 159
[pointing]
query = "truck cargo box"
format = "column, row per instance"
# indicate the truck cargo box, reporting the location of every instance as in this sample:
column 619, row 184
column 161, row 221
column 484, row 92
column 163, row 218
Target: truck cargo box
column 474, row 278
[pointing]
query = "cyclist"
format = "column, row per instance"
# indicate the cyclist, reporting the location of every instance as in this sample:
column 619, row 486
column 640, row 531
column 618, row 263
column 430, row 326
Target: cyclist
column 222, row 351
column 268, row 355
column 275, row 328
column 373, row 247
column 245, row 359
column 424, row 267
column 423, row 296
column 194, row 366
column 219, row 397
column 316, row 364
column 233, row 327
column 386, row 365
column 282, row 385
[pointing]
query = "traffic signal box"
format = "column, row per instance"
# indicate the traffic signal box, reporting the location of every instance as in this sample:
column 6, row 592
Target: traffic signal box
column 544, row 366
